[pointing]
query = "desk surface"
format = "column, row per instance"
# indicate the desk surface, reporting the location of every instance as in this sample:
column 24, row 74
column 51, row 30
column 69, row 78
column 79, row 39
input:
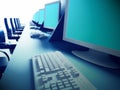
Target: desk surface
column 19, row 76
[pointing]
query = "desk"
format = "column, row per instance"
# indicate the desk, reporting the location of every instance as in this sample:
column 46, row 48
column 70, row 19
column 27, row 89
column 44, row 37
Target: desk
column 19, row 76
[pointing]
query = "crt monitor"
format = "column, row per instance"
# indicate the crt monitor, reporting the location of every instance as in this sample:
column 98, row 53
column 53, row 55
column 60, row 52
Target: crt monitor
column 36, row 17
column 94, row 24
column 41, row 16
column 51, row 17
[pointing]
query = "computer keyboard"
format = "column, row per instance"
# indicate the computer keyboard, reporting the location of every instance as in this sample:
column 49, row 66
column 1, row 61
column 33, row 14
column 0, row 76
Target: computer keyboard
column 53, row 71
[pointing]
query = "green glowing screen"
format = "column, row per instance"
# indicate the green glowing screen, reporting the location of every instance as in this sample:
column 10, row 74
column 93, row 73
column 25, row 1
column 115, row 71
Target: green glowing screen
column 51, row 15
column 95, row 22
column 41, row 16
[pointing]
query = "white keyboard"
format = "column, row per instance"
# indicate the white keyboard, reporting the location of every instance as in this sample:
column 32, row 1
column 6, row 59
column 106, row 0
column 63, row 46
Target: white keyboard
column 53, row 71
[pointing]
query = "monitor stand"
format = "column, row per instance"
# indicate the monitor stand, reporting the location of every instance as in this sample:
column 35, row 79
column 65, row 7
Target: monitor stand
column 98, row 58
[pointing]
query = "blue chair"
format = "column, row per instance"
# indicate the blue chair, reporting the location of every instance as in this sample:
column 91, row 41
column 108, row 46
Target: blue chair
column 2, row 40
column 10, row 35
column 4, row 58
column 4, row 45
column 18, row 25
column 15, row 31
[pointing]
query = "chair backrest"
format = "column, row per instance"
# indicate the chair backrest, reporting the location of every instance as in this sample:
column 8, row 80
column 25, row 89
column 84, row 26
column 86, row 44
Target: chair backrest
column 9, row 32
column 2, row 36
column 19, row 23
column 5, row 54
column 12, row 24
column 16, row 23
column 4, row 58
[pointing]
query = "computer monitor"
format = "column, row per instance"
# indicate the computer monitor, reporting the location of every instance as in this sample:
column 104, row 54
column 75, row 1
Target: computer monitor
column 96, row 25
column 51, row 17
column 41, row 16
column 36, row 17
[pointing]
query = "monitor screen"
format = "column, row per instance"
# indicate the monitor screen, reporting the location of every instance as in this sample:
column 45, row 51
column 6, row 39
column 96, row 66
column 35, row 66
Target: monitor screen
column 35, row 17
column 51, row 17
column 41, row 16
column 94, row 24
